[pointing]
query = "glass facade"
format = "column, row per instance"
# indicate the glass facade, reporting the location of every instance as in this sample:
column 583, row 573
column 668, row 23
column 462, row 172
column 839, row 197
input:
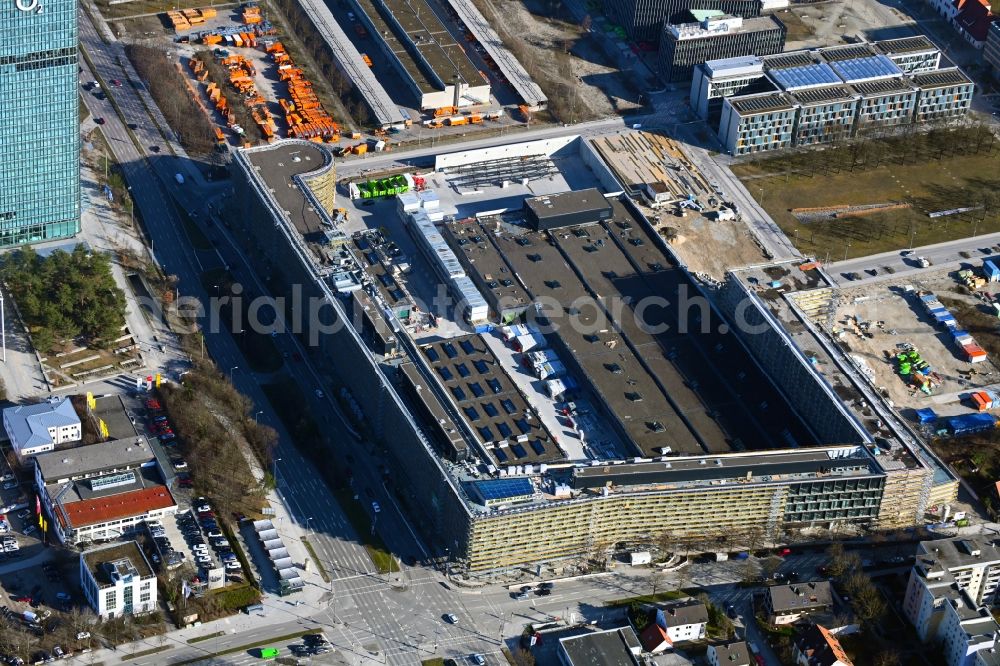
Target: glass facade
column 40, row 132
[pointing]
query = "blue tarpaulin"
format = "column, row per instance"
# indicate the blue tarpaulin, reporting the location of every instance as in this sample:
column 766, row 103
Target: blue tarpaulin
column 968, row 424
column 926, row 415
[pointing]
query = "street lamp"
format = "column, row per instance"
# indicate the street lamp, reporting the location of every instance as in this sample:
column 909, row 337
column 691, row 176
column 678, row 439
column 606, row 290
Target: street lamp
column 308, row 523
column 274, row 471
column 256, row 414
column 235, row 367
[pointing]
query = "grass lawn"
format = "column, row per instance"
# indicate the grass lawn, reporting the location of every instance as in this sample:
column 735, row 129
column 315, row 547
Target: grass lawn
column 436, row 661
column 823, row 178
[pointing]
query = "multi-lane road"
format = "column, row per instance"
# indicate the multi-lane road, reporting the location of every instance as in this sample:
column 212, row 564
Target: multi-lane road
column 400, row 615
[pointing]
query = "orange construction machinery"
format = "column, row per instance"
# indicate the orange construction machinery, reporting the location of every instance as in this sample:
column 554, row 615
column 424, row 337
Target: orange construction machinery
column 243, row 39
column 474, row 118
column 445, row 111
column 185, row 19
column 304, row 115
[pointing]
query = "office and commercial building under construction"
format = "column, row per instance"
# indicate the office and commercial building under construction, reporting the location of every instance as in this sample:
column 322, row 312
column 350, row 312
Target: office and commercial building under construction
column 616, row 405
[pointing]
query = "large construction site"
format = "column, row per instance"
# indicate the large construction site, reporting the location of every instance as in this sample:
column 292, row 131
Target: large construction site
column 557, row 380
column 687, row 210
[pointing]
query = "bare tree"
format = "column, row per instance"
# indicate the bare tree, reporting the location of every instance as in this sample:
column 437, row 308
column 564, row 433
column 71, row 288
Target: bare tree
column 770, row 565
column 657, row 581
column 523, row 657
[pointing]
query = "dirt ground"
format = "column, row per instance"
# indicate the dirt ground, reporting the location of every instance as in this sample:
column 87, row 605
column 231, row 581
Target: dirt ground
column 600, row 90
column 896, row 317
column 838, row 21
column 709, row 246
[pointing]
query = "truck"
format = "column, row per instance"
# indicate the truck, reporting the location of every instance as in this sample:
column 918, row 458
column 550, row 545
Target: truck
column 179, row 178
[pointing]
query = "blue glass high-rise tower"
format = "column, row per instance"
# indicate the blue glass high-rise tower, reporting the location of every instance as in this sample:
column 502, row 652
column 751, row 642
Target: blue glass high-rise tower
column 39, row 121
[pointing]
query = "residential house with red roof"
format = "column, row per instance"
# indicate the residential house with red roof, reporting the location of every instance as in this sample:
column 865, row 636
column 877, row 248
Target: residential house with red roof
column 971, row 18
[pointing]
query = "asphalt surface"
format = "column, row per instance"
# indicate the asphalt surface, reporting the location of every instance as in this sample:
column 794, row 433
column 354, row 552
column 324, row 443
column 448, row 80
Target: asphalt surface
column 904, row 263
column 372, row 611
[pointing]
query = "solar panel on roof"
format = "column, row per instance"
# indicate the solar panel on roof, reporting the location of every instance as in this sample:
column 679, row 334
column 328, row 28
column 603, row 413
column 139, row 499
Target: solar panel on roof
column 817, row 74
column 865, row 69
column 498, row 489
column 519, row 451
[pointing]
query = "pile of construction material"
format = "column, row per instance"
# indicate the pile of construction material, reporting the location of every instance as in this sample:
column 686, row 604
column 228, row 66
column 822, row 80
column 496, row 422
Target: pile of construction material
column 970, row 350
column 185, row 19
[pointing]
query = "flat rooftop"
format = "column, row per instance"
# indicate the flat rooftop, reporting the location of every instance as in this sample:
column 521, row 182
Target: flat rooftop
column 883, row 87
column 688, row 31
column 111, row 409
column 916, row 44
column 763, row 103
column 121, row 555
column 94, row 458
column 643, row 368
column 276, row 165
column 941, row 78
column 846, row 52
column 567, row 203
column 482, row 261
column 825, row 95
column 781, row 285
column 755, row 467
column 490, row 402
column 403, row 22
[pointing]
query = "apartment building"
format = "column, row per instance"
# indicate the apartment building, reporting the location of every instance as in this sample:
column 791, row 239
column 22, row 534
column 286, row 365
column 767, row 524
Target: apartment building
column 643, row 19
column 599, row 648
column 971, row 563
column 733, row 653
column 684, row 46
column 817, row 646
column 970, row 18
column 117, row 580
column 37, row 428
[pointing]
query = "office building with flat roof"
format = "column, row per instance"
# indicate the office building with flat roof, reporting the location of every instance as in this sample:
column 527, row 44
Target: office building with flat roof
column 944, row 93
column 757, row 123
column 714, row 80
column 833, row 93
column 911, row 54
column 643, row 19
column 117, row 580
column 686, row 45
column 651, row 433
column 40, row 133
